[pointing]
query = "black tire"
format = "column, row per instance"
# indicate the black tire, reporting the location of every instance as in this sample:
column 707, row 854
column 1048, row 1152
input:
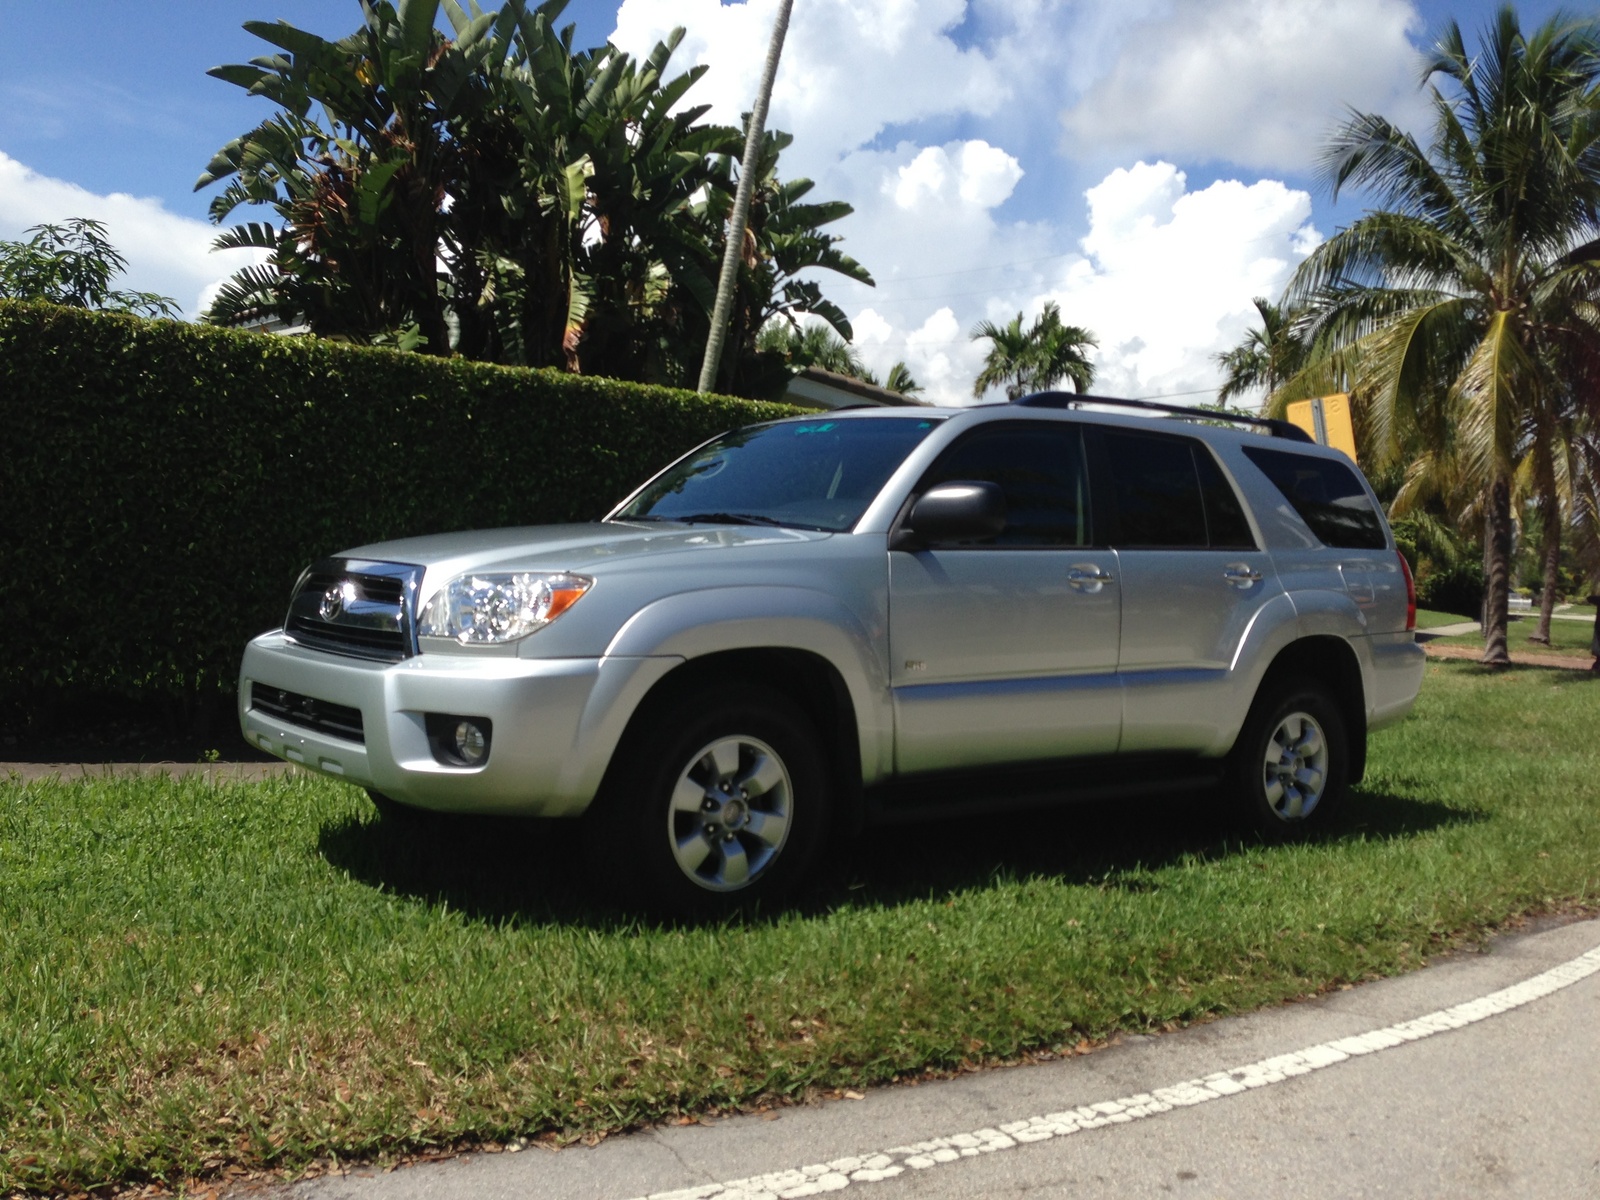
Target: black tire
column 1289, row 771
column 764, row 810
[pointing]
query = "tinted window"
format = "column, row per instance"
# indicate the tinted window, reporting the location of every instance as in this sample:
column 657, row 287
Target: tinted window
column 1326, row 494
column 1226, row 524
column 1157, row 490
column 1041, row 470
column 814, row 474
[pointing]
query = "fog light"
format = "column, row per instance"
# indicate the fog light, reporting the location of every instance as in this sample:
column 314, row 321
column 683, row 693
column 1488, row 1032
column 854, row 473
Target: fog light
column 470, row 743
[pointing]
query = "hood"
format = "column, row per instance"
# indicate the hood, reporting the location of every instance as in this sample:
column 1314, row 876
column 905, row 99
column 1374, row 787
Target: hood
column 581, row 548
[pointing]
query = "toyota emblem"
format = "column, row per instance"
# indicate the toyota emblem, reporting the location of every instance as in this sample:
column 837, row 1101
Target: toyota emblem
column 336, row 599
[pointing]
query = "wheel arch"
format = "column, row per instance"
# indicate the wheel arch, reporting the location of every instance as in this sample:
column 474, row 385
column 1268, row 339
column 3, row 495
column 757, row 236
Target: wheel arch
column 1333, row 661
column 807, row 679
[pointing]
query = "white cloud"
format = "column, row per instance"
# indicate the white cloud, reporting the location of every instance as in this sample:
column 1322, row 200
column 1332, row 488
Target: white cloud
column 1163, row 276
column 849, row 70
column 926, row 227
column 1168, row 274
column 166, row 253
column 974, row 174
column 1257, row 83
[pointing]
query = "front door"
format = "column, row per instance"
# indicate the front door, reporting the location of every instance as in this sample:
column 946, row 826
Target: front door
column 1006, row 650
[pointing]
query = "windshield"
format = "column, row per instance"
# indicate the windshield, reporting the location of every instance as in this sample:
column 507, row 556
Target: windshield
column 817, row 474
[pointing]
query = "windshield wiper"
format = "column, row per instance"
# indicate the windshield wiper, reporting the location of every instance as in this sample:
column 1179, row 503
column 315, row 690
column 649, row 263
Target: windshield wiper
column 726, row 518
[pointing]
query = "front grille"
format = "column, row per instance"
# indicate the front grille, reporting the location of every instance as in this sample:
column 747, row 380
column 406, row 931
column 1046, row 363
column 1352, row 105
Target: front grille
column 323, row 716
column 384, row 589
column 378, row 644
column 356, row 608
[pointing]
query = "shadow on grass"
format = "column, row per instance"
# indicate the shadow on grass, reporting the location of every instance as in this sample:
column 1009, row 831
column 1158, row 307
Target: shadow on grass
column 501, row 869
column 1114, row 844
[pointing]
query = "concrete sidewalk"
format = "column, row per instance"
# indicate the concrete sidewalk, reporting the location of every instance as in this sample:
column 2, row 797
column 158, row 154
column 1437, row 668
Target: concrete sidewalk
column 1495, row 1090
column 1438, row 631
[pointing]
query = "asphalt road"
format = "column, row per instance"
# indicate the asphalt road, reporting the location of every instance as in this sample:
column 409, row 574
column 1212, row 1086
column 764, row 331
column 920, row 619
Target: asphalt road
column 1494, row 1092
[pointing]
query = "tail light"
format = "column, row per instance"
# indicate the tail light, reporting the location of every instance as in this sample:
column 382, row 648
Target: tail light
column 1411, row 592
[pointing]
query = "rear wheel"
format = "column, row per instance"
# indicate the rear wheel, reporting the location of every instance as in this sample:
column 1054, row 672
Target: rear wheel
column 718, row 801
column 1289, row 770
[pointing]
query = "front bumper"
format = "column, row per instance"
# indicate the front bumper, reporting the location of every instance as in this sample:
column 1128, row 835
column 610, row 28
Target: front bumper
column 556, row 722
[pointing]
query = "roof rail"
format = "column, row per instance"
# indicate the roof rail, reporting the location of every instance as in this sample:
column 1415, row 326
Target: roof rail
column 1272, row 425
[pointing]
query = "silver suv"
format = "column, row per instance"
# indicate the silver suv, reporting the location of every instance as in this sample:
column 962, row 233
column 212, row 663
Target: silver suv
column 834, row 620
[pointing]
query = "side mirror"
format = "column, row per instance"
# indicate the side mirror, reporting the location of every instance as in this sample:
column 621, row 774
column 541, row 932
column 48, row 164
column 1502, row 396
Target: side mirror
column 961, row 511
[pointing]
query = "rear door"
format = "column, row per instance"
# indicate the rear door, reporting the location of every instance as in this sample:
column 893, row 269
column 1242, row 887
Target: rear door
column 1006, row 650
column 1193, row 579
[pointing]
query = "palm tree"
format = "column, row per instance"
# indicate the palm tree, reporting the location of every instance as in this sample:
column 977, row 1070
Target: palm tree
column 812, row 345
column 899, row 379
column 1455, row 298
column 1037, row 358
column 733, row 248
column 1265, row 358
column 784, row 236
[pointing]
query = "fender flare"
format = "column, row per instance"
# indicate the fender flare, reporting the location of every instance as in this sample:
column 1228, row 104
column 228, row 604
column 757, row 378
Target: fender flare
column 690, row 625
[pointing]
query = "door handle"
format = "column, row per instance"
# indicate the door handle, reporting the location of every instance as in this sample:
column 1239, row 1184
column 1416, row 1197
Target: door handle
column 1241, row 575
column 1087, row 577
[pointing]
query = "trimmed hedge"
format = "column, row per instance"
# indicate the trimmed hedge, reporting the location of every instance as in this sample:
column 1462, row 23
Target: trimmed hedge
column 162, row 484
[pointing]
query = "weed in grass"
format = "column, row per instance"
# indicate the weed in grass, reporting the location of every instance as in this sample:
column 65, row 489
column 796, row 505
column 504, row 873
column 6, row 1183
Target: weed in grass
column 200, row 976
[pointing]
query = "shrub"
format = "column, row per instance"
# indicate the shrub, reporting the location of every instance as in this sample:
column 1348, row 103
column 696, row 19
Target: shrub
column 1455, row 589
column 163, row 484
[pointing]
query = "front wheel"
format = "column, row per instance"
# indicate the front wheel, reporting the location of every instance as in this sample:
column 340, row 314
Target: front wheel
column 1289, row 770
column 719, row 801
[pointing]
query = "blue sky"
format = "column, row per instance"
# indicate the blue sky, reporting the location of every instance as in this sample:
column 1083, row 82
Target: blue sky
column 1145, row 163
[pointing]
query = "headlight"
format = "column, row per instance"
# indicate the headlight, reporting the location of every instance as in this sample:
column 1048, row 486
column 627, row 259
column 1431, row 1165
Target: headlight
column 485, row 609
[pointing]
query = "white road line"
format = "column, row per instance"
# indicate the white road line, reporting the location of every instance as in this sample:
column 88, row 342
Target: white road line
column 872, row 1168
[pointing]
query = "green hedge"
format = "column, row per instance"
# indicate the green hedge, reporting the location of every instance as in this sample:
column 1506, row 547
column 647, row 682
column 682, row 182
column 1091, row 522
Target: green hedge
column 163, row 484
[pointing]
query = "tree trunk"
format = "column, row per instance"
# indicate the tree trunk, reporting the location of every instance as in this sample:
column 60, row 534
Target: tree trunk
column 1552, row 568
column 1497, row 584
column 1594, row 639
column 733, row 251
column 1550, row 511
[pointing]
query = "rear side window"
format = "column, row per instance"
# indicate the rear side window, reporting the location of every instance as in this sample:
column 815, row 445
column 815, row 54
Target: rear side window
column 1171, row 494
column 1326, row 494
column 1041, row 470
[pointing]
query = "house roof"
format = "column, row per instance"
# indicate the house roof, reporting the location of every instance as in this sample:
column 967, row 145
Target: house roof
column 817, row 388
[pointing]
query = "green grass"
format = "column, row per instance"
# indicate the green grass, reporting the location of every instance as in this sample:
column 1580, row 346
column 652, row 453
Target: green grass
column 202, row 976
column 1428, row 618
column 1567, row 638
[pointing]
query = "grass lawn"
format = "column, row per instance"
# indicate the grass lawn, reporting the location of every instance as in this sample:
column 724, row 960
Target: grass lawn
column 1569, row 639
column 1428, row 618
column 200, row 978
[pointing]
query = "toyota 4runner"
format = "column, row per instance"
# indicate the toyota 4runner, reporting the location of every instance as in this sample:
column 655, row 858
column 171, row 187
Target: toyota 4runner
column 863, row 616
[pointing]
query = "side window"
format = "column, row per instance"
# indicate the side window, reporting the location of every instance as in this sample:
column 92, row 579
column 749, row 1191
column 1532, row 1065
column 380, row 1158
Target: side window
column 1326, row 494
column 1225, row 520
column 1041, row 470
column 1156, row 487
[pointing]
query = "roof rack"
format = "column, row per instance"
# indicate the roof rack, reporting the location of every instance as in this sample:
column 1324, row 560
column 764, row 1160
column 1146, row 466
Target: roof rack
column 1272, row 425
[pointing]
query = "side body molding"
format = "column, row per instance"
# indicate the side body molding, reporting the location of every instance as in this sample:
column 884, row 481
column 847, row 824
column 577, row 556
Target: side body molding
column 689, row 625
